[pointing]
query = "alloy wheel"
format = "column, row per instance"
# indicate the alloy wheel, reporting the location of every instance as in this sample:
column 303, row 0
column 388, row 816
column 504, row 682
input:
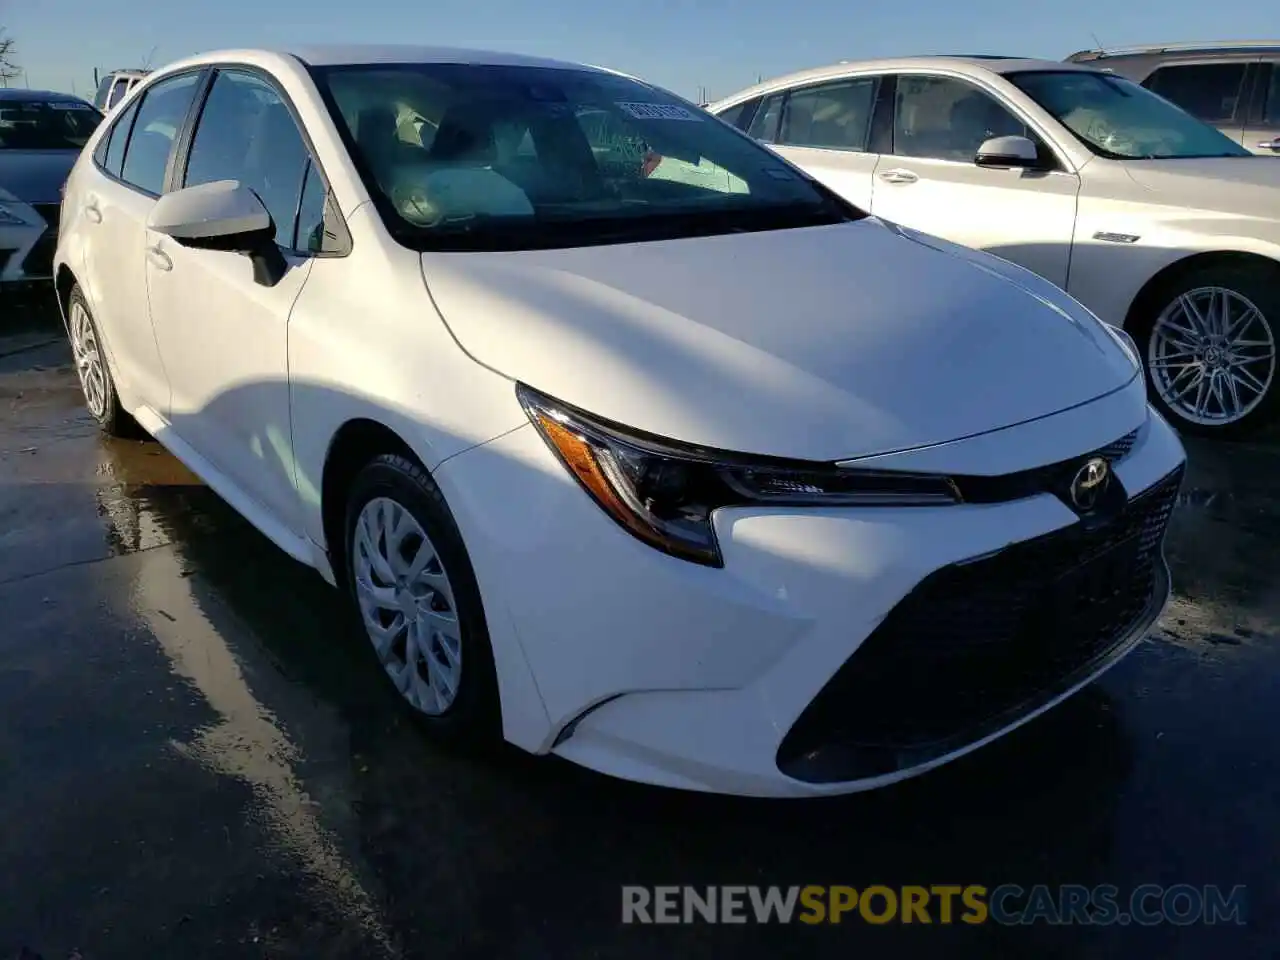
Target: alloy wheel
column 407, row 604
column 88, row 359
column 1212, row 356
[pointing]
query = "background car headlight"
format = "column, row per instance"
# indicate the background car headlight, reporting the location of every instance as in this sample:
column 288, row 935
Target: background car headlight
column 664, row 492
column 11, row 214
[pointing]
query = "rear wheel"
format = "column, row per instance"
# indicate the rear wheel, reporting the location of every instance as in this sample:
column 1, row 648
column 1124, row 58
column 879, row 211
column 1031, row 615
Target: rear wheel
column 96, row 383
column 1209, row 340
column 411, row 581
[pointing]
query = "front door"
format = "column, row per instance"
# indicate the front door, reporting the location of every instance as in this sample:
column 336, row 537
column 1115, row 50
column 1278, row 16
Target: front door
column 931, row 183
column 224, row 337
column 130, row 162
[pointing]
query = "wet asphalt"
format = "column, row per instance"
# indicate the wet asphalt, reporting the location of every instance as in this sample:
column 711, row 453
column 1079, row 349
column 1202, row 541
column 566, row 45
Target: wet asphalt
column 198, row 757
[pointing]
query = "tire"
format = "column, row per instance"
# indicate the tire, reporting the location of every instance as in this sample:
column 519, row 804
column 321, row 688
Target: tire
column 415, row 657
column 1176, row 361
column 96, row 383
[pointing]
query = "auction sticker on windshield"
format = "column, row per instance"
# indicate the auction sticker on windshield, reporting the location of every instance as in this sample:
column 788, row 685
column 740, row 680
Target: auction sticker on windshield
column 657, row 111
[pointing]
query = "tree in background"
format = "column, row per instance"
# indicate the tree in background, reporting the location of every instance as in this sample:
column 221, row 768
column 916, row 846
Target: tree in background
column 8, row 62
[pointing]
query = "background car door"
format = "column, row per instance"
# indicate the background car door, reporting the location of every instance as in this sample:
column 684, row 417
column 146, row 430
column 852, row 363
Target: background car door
column 931, row 182
column 223, row 337
column 131, row 158
column 1262, row 132
column 826, row 130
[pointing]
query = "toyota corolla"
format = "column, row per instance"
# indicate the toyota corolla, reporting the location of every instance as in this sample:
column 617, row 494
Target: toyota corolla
column 627, row 440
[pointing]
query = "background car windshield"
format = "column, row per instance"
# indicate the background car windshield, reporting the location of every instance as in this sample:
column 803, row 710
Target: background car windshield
column 499, row 151
column 1117, row 118
column 46, row 125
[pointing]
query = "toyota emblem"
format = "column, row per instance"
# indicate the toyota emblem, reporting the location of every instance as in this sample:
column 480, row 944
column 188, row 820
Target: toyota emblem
column 1089, row 484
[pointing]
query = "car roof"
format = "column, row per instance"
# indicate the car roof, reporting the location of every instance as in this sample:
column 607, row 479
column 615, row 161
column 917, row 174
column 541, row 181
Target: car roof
column 37, row 96
column 1193, row 49
column 351, row 54
column 974, row 65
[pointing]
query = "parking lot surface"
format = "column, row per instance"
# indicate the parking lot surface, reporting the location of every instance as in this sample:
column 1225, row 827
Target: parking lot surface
column 199, row 759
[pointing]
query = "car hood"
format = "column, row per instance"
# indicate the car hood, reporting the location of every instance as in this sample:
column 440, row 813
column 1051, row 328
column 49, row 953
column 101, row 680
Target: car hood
column 1247, row 185
column 36, row 176
column 821, row 343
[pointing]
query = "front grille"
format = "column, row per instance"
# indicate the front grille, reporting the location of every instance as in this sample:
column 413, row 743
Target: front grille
column 979, row 643
column 38, row 263
column 1120, row 448
column 1052, row 478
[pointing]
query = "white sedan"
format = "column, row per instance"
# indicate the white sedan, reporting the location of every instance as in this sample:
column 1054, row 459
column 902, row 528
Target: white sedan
column 1155, row 221
column 708, row 481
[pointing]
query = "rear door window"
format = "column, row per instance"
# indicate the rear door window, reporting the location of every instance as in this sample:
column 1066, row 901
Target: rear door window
column 161, row 113
column 833, row 116
column 117, row 139
column 1209, row 91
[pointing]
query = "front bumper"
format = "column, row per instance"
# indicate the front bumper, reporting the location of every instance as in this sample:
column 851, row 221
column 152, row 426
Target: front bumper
column 26, row 250
column 838, row 649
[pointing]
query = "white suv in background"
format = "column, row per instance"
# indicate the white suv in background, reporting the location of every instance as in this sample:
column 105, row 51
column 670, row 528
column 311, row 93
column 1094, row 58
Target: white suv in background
column 115, row 86
column 1154, row 220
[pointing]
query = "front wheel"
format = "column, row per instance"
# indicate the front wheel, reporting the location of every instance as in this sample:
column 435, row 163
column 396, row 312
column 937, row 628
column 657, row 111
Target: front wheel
column 413, row 586
column 1209, row 341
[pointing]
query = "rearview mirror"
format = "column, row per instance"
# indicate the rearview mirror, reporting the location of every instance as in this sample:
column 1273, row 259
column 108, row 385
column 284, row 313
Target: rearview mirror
column 1008, row 152
column 223, row 215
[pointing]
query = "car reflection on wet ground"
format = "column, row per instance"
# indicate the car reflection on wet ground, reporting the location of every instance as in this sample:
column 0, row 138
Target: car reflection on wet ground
column 197, row 760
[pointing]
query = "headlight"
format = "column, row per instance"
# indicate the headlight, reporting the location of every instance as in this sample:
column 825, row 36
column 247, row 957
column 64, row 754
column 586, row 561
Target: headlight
column 11, row 214
column 664, row 492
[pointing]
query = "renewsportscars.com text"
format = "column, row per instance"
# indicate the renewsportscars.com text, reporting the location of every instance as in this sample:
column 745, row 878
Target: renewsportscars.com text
column 1007, row 904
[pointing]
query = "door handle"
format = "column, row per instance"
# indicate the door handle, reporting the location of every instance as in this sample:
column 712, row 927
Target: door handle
column 159, row 258
column 92, row 212
column 898, row 176
column 1270, row 144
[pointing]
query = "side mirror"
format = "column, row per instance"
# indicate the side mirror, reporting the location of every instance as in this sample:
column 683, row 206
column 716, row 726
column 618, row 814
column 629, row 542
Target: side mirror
column 223, row 215
column 1008, row 152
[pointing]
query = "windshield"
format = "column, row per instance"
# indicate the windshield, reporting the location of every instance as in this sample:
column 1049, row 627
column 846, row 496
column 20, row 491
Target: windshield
column 1117, row 118
column 46, row 124
column 463, row 156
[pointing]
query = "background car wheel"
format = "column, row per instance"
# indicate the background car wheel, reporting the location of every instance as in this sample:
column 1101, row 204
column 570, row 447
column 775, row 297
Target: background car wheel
column 100, row 397
column 1209, row 345
column 416, row 595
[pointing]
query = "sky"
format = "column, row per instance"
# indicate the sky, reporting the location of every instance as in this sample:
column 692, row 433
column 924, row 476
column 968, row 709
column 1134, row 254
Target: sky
column 684, row 45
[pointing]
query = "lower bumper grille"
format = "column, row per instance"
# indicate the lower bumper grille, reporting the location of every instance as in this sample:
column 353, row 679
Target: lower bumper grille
column 980, row 643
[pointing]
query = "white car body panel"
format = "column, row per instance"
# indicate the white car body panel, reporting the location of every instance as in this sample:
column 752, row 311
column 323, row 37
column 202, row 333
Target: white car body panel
column 854, row 341
column 789, row 332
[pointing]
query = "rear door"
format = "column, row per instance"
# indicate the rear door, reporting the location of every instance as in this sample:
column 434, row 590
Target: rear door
column 826, row 129
column 1262, row 127
column 1214, row 92
column 130, row 163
